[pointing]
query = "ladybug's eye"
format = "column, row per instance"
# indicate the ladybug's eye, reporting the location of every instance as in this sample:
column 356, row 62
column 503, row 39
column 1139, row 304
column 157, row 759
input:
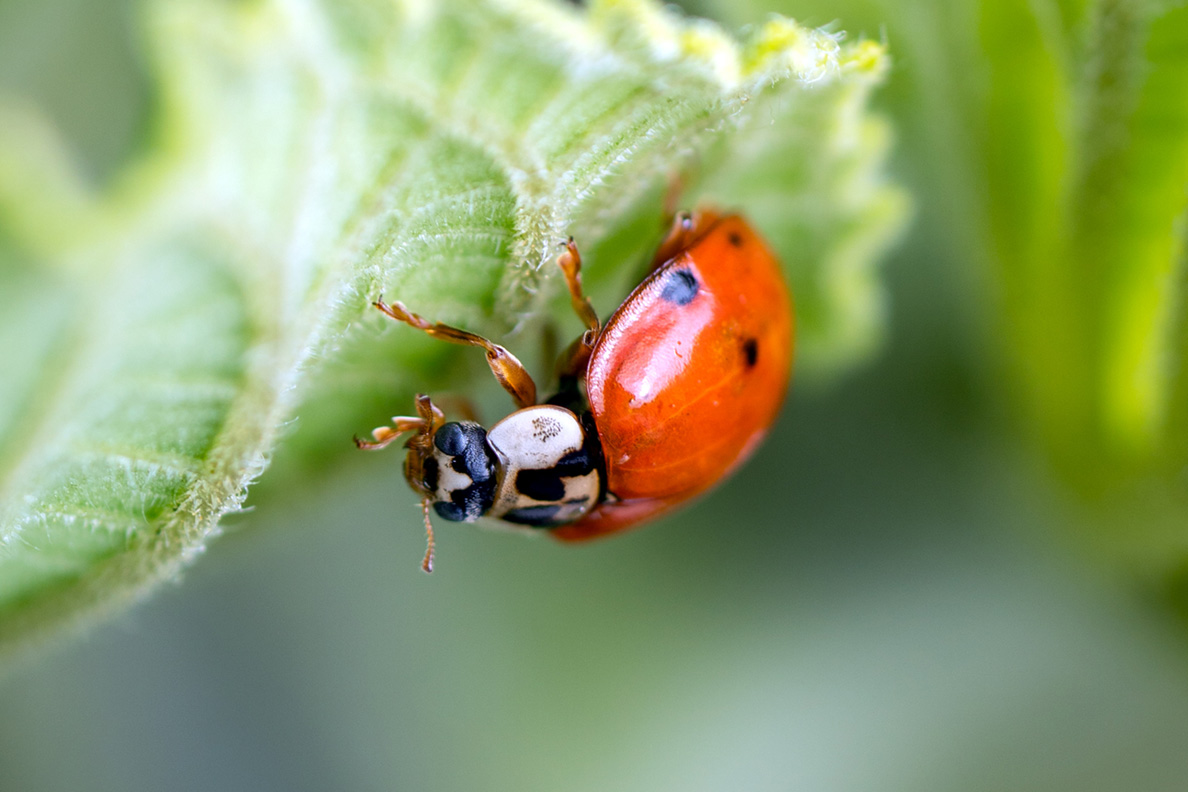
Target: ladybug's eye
column 448, row 510
column 451, row 439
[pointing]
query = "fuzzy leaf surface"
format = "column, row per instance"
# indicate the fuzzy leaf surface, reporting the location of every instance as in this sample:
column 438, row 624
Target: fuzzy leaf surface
column 309, row 157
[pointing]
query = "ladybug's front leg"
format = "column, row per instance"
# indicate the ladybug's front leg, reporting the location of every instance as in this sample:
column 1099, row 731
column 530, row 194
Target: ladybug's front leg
column 384, row 436
column 427, row 421
column 508, row 370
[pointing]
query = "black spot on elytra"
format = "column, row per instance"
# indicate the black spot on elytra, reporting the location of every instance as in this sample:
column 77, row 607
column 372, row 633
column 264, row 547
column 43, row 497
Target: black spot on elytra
column 735, row 239
column 680, row 287
column 751, row 351
column 535, row 516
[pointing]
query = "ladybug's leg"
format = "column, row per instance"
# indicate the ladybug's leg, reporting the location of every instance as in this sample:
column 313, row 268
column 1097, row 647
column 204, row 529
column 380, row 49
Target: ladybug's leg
column 427, row 421
column 386, row 435
column 684, row 227
column 510, row 373
column 420, row 447
column 570, row 263
column 573, row 361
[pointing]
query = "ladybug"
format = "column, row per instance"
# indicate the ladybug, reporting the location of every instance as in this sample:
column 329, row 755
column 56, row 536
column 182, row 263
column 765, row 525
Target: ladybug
column 671, row 395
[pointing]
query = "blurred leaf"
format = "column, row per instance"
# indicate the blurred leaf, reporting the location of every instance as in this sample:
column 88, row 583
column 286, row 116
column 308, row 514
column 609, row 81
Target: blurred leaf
column 311, row 156
column 1088, row 182
column 1084, row 147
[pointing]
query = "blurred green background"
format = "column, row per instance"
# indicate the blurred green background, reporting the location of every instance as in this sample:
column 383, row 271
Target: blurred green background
column 901, row 591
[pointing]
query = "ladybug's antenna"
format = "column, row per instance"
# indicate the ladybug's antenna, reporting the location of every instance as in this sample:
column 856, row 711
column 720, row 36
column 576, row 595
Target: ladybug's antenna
column 427, row 563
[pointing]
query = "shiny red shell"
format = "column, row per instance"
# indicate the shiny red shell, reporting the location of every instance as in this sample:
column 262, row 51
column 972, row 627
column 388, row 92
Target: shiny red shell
column 688, row 374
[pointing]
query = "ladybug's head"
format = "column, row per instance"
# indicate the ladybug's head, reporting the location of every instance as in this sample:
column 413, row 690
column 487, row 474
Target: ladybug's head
column 454, row 471
column 450, row 465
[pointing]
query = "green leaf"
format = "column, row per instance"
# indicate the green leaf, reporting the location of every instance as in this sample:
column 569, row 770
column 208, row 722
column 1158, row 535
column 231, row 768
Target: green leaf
column 310, row 156
column 1087, row 162
column 1087, row 205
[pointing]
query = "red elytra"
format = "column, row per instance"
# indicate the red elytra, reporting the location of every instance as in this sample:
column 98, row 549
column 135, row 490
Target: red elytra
column 682, row 383
column 681, row 394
